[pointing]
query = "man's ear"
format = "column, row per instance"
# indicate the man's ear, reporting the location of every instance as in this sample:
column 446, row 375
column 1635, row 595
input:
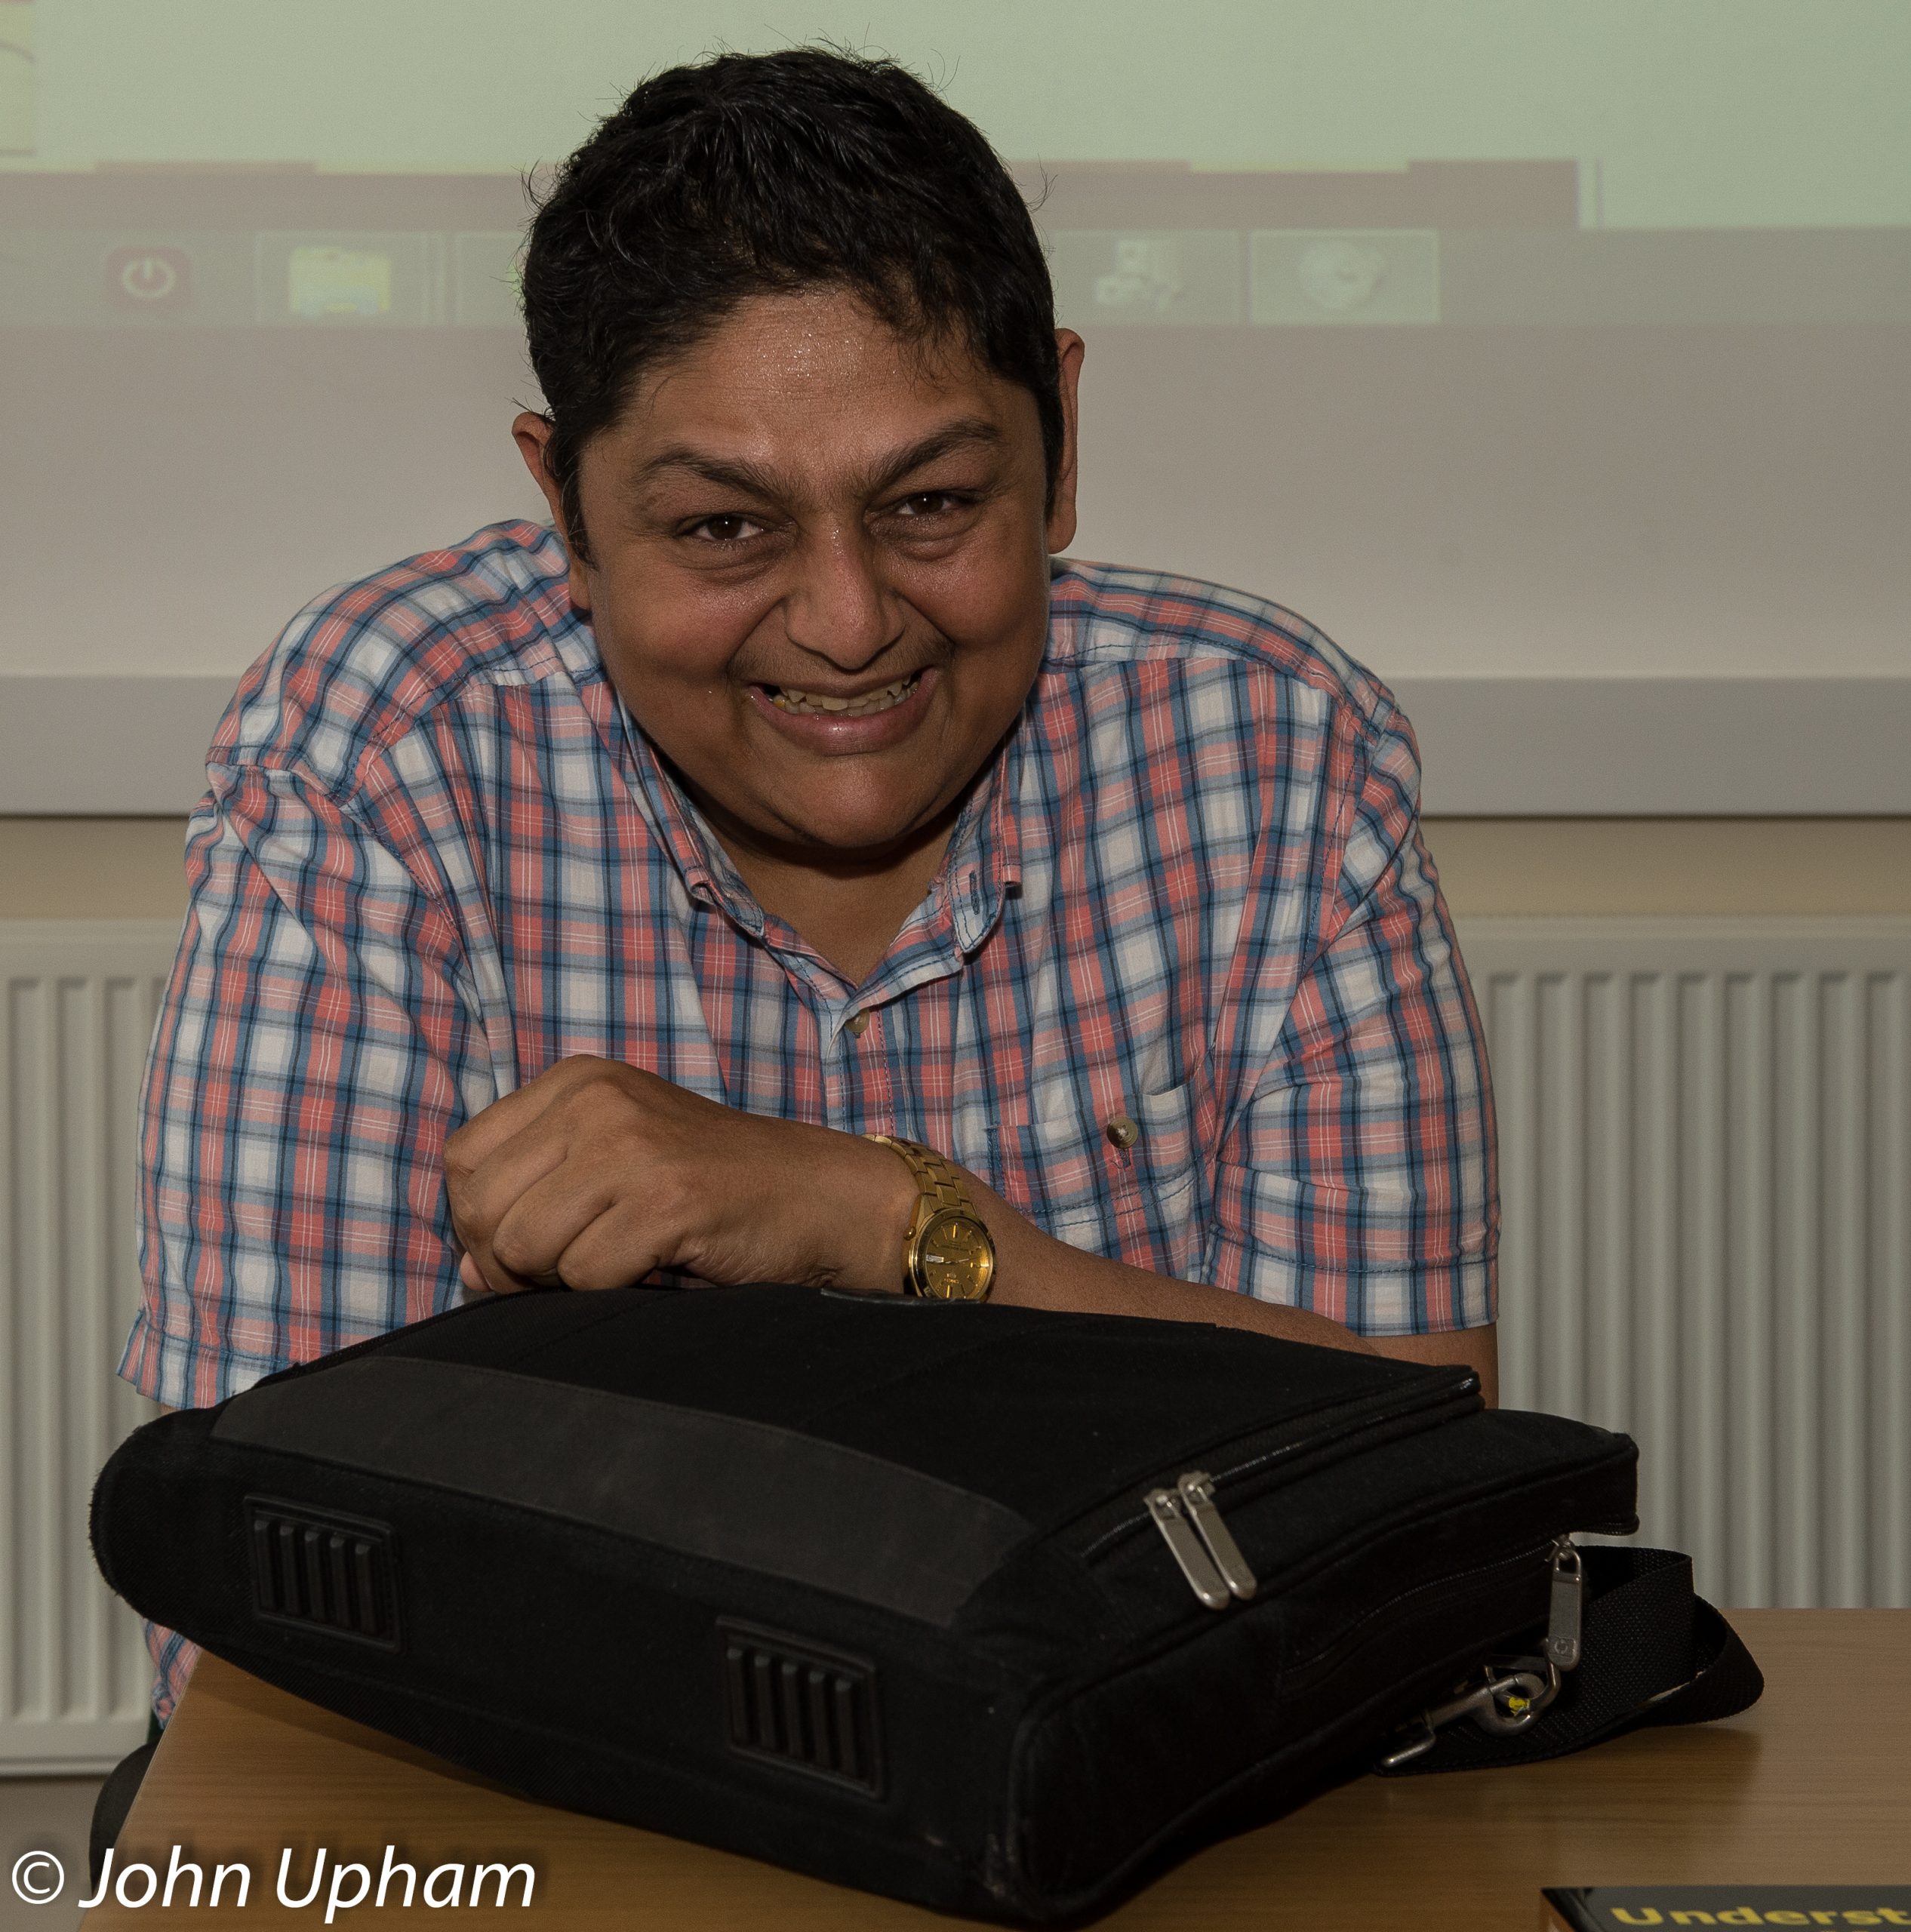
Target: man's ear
column 1070, row 349
column 532, row 434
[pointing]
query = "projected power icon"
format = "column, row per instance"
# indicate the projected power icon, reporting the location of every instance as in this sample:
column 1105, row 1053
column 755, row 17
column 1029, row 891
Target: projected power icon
column 148, row 278
column 151, row 279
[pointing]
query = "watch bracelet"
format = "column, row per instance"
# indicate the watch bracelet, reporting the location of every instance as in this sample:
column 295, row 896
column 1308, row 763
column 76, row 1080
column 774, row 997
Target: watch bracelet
column 937, row 1176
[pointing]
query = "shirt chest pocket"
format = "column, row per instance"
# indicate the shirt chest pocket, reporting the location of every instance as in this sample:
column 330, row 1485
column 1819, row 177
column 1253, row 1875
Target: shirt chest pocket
column 1123, row 1173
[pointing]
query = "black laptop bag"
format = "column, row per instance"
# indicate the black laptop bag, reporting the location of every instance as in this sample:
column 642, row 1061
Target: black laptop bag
column 997, row 1609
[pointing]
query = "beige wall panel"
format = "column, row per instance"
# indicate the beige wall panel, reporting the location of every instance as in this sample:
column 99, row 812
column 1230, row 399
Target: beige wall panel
column 92, row 868
column 1690, row 867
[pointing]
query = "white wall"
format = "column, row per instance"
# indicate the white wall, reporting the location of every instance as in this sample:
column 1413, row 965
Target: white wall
column 1669, row 439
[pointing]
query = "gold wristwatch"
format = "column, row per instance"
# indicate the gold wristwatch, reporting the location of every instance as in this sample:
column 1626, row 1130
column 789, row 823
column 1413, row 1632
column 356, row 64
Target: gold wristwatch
column 948, row 1254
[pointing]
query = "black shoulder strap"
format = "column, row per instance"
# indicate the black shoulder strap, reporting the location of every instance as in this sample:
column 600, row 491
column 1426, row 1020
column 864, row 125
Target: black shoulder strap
column 1651, row 1652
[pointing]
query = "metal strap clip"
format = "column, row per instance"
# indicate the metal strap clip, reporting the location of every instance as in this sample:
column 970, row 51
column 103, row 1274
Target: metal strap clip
column 1512, row 1691
column 1508, row 1698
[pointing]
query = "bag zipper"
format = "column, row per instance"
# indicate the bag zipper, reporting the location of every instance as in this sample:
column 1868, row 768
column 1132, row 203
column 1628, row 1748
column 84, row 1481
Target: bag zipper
column 1564, row 1607
column 1201, row 1542
column 1188, row 1516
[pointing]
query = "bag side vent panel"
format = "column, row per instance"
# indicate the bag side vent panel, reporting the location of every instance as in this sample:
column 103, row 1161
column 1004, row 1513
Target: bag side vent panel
column 335, row 1573
column 804, row 1709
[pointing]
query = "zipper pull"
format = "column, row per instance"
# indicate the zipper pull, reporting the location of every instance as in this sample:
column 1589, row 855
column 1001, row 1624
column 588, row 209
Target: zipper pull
column 1563, row 1614
column 1197, row 1489
column 1169, row 1512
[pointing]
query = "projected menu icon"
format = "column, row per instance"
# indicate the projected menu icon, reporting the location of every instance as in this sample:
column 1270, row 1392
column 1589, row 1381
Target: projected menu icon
column 1147, row 277
column 325, row 281
column 1383, row 275
column 1147, row 274
column 350, row 281
column 1340, row 275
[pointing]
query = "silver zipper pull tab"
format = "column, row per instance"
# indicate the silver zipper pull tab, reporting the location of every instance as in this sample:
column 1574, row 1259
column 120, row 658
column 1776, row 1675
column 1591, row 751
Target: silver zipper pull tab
column 1197, row 1489
column 1170, row 1515
column 1563, row 1614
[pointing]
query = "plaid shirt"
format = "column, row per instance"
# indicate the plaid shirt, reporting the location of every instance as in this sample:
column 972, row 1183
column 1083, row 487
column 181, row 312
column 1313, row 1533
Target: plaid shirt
column 436, row 856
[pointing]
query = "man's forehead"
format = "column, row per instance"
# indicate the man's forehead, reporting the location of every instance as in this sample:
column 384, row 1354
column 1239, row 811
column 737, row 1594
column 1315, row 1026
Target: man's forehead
column 768, row 465
column 807, row 371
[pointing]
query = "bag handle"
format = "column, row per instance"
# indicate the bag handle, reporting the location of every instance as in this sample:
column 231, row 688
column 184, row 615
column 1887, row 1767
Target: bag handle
column 1653, row 1652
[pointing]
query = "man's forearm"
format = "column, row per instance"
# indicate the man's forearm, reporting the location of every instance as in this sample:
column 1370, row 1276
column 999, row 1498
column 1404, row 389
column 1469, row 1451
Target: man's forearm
column 1034, row 1270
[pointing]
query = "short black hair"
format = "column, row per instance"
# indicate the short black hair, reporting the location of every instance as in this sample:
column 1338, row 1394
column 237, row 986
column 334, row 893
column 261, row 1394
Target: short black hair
column 750, row 175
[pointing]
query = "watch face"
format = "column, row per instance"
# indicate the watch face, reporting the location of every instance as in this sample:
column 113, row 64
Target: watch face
column 955, row 1258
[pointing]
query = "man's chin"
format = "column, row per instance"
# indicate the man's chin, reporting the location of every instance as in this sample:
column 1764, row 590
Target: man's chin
column 843, row 817
column 857, row 840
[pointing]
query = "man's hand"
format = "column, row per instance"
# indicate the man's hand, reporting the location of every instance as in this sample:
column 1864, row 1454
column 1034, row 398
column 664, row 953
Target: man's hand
column 596, row 1172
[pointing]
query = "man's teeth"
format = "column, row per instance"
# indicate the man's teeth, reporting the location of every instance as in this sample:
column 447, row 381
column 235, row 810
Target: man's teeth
column 786, row 700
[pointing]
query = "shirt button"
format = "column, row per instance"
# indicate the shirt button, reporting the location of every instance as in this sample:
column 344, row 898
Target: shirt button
column 859, row 1024
column 1122, row 1132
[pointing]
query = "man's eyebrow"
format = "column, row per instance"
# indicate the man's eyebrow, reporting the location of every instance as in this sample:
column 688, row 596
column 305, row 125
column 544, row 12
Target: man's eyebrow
column 754, row 479
column 965, row 432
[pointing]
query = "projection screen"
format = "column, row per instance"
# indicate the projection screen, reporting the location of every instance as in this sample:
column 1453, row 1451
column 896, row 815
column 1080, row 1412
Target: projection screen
column 1527, row 347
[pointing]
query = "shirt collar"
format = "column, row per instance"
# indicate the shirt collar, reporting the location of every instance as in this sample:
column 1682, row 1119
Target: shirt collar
column 705, row 867
column 983, row 863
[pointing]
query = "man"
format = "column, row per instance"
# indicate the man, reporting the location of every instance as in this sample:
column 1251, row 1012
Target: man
column 572, row 905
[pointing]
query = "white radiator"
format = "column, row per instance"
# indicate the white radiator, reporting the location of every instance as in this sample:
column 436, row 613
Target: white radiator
column 1705, row 1158
column 80, row 997
column 1705, row 1145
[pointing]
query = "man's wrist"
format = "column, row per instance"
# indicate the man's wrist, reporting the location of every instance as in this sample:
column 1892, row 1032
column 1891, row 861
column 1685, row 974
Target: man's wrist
column 865, row 1216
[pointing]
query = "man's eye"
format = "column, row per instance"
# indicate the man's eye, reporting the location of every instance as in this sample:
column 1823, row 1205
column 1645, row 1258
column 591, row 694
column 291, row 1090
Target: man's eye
column 929, row 503
column 724, row 529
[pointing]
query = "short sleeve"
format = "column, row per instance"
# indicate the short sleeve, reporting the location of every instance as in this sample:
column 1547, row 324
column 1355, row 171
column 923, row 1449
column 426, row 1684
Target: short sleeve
column 315, row 1047
column 1359, row 1178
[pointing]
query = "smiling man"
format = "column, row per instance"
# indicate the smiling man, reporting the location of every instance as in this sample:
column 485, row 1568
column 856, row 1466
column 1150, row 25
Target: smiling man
column 782, row 867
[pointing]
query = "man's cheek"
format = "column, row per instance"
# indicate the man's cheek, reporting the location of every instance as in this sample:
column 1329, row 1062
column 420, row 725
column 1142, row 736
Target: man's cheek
column 995, row 605
column 696, row 616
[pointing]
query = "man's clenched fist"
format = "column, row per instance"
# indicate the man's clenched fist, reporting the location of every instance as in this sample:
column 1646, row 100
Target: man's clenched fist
column 595, row 1173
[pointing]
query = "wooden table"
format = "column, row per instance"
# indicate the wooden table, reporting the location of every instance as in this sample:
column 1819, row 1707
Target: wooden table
column 1812, row 1785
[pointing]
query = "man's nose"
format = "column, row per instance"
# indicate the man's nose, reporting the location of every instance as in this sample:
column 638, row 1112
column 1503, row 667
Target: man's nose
column 838, row 606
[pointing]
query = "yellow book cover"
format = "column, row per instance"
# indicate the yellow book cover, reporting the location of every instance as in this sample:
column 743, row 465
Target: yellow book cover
column 1611, row 1907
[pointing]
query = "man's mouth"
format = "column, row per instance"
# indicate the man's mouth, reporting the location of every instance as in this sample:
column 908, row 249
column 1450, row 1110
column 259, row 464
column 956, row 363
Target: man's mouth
column 786, row 697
